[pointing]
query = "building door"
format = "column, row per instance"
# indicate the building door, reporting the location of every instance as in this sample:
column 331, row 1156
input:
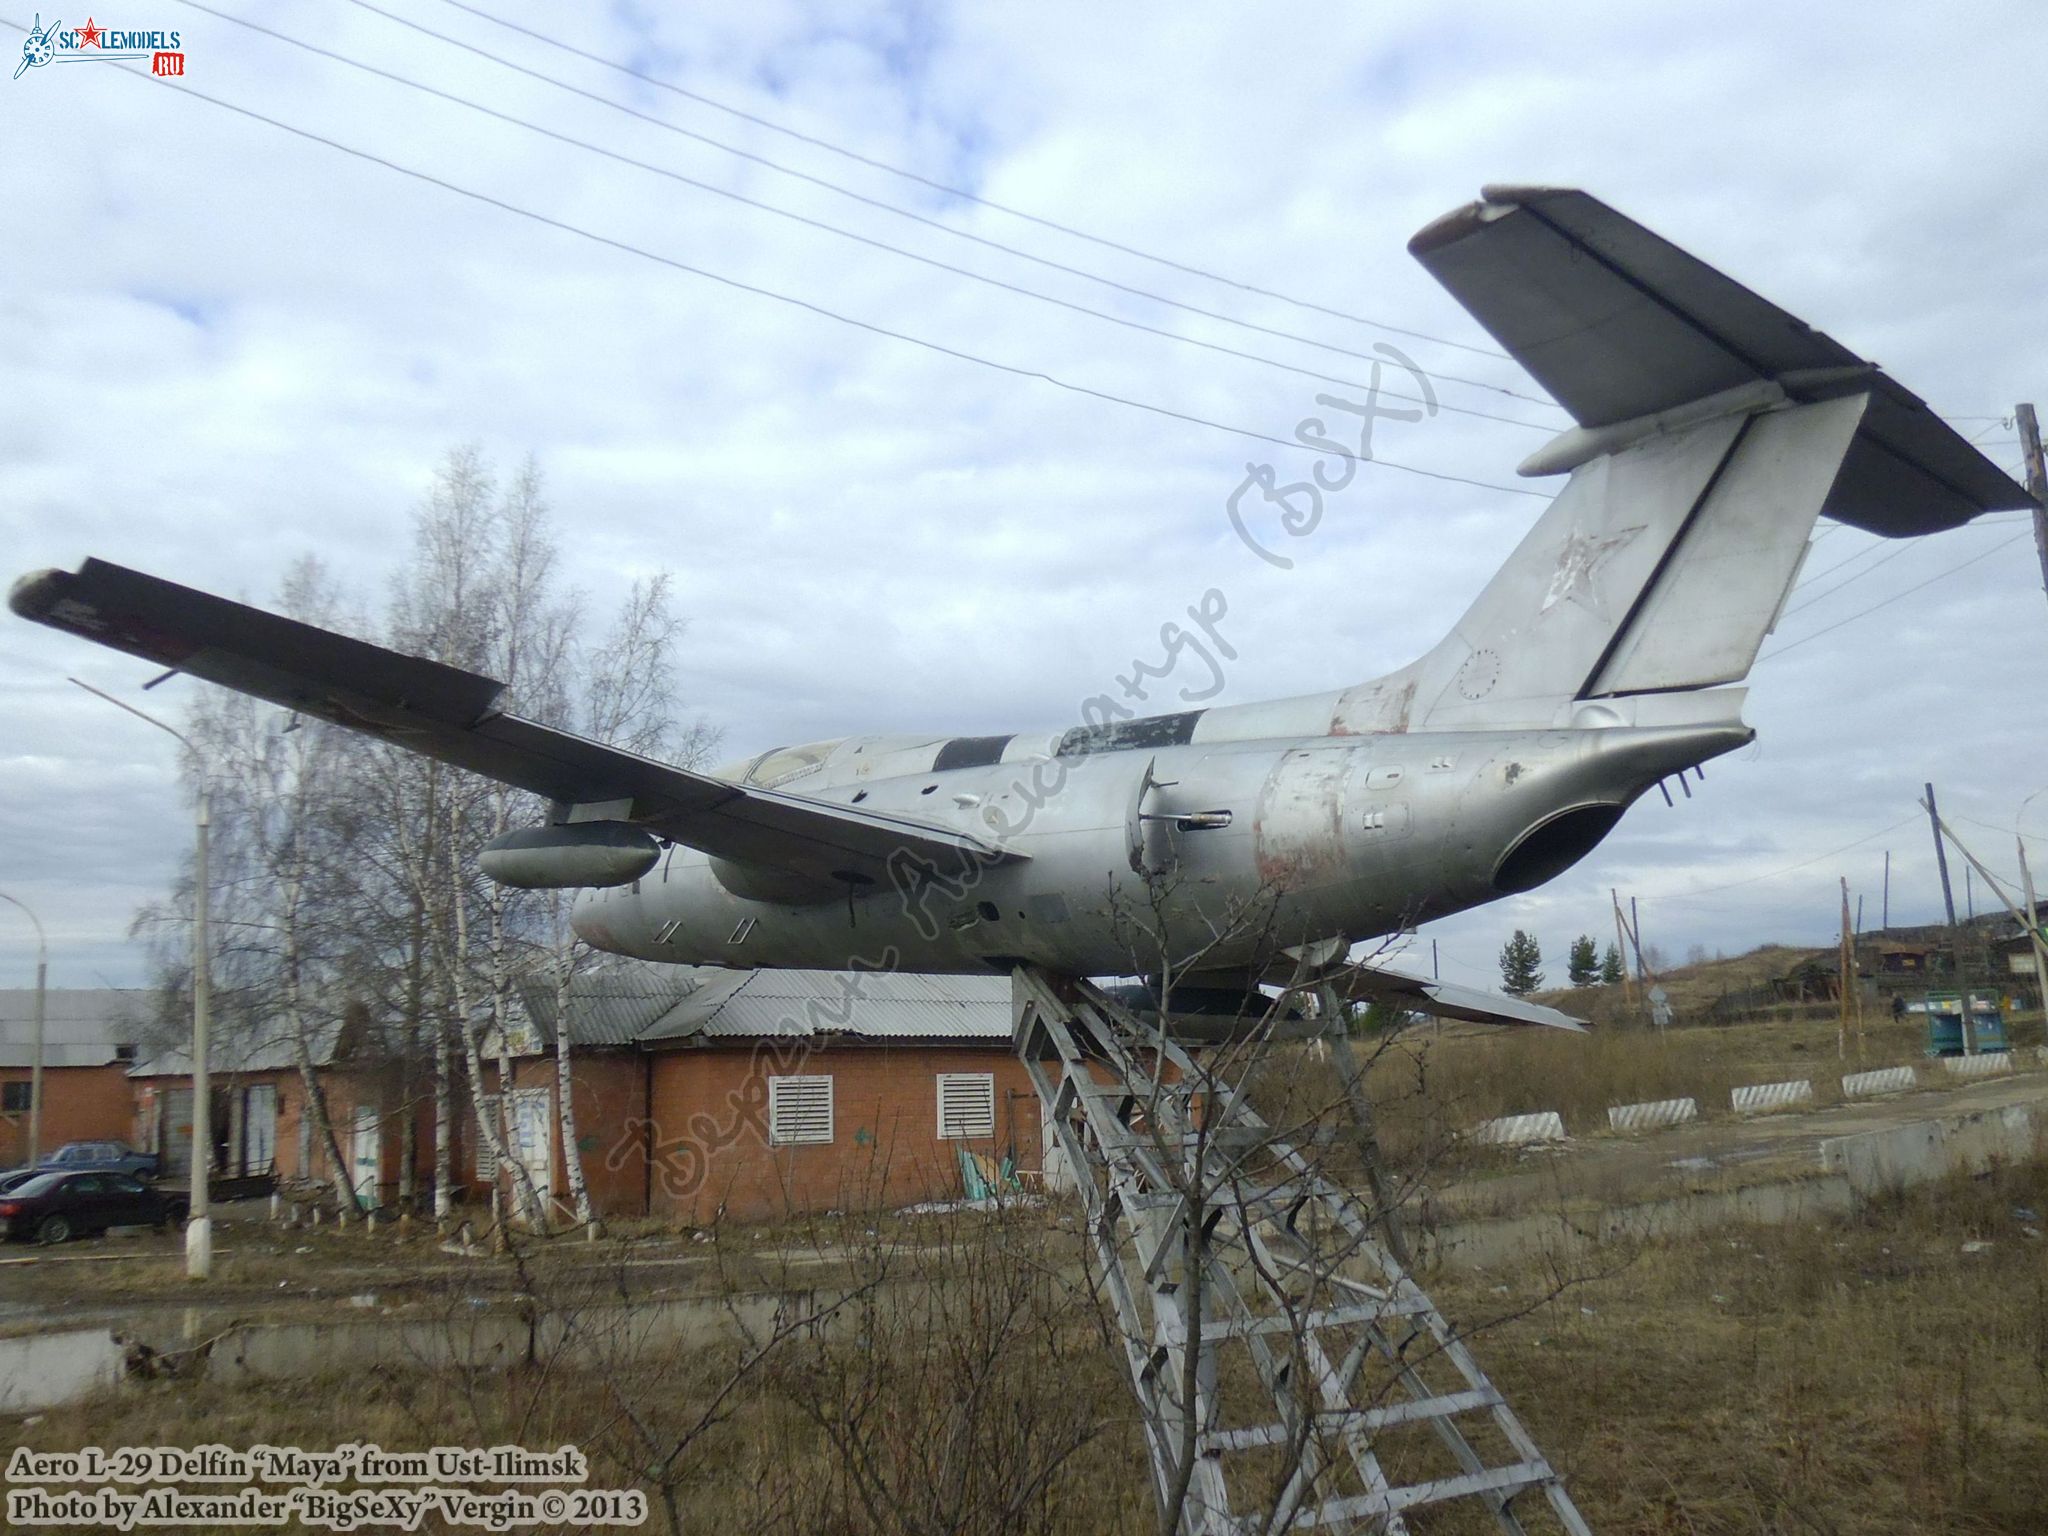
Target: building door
column 365, row 1156
column 259, row 1129
column 533, row 1141
column 174, row 1131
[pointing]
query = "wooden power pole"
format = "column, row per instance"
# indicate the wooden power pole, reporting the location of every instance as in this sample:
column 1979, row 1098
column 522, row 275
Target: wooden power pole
column 1628, row 995
column 2037, row 481
column 2034, row 931
column 1848, row 980
column 1955, row 941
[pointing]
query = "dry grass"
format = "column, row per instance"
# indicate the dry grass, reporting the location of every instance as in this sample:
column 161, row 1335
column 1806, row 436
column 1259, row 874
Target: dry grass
column 1432, row 1083
column 1865, row 1376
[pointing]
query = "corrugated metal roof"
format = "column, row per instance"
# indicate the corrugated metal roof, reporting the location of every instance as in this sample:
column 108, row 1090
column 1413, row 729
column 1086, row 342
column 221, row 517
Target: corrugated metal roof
column 273, row 1051
column 614, row 1005
column 876, row 1005
column 82, row 1026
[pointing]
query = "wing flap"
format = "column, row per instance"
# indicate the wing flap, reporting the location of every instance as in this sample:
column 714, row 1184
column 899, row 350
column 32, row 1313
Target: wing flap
column 446, row 713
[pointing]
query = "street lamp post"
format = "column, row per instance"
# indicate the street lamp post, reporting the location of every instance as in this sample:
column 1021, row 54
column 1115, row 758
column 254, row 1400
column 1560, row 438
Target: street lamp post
column 35, row 1069
column 199, row 1226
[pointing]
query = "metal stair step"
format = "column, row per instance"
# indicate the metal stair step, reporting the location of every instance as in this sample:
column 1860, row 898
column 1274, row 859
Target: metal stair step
column 1417, row 1411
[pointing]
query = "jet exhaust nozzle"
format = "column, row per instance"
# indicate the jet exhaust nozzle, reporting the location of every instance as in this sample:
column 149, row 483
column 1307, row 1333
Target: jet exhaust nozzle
column 570, row 854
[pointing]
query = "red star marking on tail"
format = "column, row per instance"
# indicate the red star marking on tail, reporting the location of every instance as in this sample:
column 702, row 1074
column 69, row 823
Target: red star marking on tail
column 89, row 35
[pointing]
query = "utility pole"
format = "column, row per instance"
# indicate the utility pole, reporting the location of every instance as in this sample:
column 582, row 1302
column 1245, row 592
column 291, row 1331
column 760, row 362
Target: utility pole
column 2037, row 481
column 2034, row 931
column 1885, row 922
column 199, row 1221
column 1621, row 948
column 1849, row 981
column 1955, row 948
column 1948, row 899
column 1842, row 986
column 35, row 1069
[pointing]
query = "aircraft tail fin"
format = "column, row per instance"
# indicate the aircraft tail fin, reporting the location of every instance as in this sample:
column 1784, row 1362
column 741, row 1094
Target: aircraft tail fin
column 1714, row 429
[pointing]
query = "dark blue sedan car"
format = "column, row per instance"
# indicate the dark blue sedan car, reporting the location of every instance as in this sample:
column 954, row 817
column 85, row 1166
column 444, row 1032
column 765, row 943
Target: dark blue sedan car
column 57, row 1205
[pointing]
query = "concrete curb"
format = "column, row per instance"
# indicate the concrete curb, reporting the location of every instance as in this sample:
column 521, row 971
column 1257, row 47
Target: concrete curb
column 1656, row 1112
column 1861, row 1085
column 1978, row 1066
column 1758, row 1097
column 1521, row 1130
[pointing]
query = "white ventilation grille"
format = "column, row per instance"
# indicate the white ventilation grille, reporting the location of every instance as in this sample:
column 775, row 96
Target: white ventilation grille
column 799, row 1111
column 967, row 1104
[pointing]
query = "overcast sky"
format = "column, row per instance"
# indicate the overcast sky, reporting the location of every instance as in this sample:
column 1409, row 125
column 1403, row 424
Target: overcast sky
column 223, row 346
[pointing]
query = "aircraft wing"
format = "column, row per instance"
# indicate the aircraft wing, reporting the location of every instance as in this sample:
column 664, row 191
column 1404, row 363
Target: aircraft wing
column 1449, row 1001
column 446, row 713
column 1619, row 324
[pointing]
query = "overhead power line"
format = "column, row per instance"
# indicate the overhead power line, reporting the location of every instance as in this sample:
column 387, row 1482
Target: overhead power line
column 895, row 210
column 1680, row 898
column 962, row 193
column 1841, row 564
column 470, row 104
column 369, row 157
column 1848, row 581
column 1895, row 597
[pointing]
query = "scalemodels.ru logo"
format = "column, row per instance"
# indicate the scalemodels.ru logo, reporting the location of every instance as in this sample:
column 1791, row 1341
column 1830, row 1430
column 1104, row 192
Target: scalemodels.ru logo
column 93, row 43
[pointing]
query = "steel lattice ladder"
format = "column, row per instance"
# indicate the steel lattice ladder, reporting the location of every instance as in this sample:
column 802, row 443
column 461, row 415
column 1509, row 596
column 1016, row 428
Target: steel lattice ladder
column 1333, row 1394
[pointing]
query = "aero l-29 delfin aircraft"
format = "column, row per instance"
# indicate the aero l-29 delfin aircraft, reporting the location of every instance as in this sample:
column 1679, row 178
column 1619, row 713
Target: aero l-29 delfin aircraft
column 1713, row 429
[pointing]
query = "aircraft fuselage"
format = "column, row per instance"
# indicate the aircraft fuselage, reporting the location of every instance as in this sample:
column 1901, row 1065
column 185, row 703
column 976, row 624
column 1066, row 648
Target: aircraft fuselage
column 1233, row 850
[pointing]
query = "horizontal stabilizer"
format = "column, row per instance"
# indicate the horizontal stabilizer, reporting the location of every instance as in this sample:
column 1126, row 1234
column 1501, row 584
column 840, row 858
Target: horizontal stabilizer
column 1446, row 1000
column 1620, row 325
column 443, row 712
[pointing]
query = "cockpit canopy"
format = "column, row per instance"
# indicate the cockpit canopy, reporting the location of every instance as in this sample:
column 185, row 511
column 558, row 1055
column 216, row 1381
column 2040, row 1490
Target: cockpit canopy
column 785, row 765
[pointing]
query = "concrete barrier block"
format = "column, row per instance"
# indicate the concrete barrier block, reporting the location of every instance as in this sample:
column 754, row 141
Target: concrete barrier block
column 1758, row 1097
column 1900, row 1155
column 1521, row 1130
column 1643, row 1117
column 1978, row 1066
column 1861, row 1085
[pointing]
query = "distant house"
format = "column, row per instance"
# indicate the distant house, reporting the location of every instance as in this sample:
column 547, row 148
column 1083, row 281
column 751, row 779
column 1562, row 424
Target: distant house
column 90, row 1037
column 1814, row 978
column 2016, row 968
column 1894, row 957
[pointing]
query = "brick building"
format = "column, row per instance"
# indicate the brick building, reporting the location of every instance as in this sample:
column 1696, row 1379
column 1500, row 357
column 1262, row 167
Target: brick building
column 752, row 1094
column 697, row 1091
column 260, row 1125
column 776, row 1092
column 89, row 1040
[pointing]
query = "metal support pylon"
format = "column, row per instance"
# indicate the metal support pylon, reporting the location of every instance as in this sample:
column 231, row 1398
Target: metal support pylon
column 1290, row 1375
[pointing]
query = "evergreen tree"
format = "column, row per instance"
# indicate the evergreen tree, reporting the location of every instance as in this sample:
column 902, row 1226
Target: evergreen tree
column 1583, row 964
column 1521, row 959
column 1610, row 967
